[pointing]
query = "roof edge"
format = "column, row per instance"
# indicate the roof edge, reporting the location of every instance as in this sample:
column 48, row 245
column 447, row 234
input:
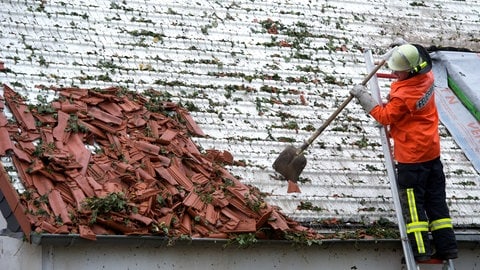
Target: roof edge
column 67, row 240
column 13, row 201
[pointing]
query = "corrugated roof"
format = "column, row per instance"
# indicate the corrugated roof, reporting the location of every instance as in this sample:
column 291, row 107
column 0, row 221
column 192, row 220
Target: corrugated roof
column 256, row 76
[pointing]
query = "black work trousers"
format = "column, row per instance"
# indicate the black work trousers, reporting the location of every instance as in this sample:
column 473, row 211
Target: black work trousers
column 424, row 207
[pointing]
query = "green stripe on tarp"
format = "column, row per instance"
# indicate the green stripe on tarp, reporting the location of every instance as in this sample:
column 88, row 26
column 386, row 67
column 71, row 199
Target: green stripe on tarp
column 463, row 98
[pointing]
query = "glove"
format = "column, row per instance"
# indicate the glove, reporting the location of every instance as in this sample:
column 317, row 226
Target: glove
column 397, row 42
column 364, row 97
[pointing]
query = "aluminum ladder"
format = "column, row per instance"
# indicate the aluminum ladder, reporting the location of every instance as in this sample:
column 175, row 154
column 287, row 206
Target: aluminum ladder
column 392, row 176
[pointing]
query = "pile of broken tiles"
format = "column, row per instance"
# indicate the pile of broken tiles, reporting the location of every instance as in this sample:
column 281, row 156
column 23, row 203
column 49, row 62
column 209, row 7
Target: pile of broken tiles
column 111, row 161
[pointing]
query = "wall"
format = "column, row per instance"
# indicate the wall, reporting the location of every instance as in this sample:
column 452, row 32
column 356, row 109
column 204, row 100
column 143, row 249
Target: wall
column 209, row 255
column 17, row 254
column 134, row 253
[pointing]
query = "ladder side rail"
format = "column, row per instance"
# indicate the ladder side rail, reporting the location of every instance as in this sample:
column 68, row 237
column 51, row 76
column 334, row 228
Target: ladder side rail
column 392, row 175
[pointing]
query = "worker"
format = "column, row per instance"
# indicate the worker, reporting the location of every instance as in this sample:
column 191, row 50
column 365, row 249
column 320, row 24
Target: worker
column 412, row 117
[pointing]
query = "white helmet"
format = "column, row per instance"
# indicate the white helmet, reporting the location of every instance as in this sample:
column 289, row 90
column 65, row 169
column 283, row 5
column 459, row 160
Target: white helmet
column 404, row 58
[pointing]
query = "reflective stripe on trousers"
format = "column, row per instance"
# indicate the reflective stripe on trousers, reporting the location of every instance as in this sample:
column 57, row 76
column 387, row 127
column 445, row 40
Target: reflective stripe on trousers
column 415, row 226
column 443, row 223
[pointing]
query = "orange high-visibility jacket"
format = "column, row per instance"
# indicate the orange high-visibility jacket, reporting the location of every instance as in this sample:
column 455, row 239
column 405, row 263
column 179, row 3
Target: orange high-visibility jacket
column 413, row 119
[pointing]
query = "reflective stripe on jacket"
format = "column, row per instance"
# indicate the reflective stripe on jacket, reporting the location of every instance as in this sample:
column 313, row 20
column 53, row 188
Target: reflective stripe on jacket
column 413, row 119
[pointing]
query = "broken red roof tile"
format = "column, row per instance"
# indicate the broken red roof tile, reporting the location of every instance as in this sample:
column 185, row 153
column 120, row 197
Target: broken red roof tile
column 72, row 93
column 227, row 157
column 164, row 174
column 36, row 165
column 293, row 187
column 136, row 121
column 245, row 226
column 97, row 188
column 3, row 118
column 226, row 174
column 114, row 225
column 66, row 193
column 134, row 155
column 147, row 147
column 153, row 127
column 50, row 228
column 143, row 175
column 220, row 156
column 218, row 199
column 194, row 201
column 86, row 232
column 218, row 235
column 59, row 129
column 19, row 108
column 46, row 119
column 74, row 176
column 241, row 192
column 147, row 166
column 265, row 215
column 143, row 194
column 165, row 210
column 42, row 184
column 111, row 108
column 211, row 214
column 167, row 136
column 77, row 148
column 201, row 230
column 100, row 230
column 202, row 165
column 122, row 167
column 179, row 177
column 230, row 225
column 190, row 148
column 166, row 220
column 129, row 106
column 186, row 225
column 278, row 222
column 199, row 179
column 107, row 127
column 230, row 214
column 243, row 206
column 22, row 169
column 77, row 194
column 112, row 187
column 151, row 162
column 46, row 135
column 103, row 162
column 20, row 154
column 96, row 171
column 144, row 207
column 65, row 107
column 191, row 124
column 58, row 206
column 93, row 129
column 53, row 174
column 5, row 142
column 145, row 220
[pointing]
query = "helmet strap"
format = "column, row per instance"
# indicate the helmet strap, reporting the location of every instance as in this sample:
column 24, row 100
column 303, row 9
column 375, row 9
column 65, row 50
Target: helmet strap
column 419, row 67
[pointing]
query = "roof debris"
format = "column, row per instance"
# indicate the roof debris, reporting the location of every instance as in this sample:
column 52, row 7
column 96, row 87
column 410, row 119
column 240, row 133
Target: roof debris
column 112, row 161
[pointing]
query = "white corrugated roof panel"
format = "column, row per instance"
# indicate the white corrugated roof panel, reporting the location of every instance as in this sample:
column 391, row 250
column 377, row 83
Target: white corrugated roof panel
column 247, row 90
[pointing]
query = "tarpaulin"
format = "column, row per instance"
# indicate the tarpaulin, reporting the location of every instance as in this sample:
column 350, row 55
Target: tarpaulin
column 457, row 83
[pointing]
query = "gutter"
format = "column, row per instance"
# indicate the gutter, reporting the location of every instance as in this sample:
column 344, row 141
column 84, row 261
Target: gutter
column 471, row 237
